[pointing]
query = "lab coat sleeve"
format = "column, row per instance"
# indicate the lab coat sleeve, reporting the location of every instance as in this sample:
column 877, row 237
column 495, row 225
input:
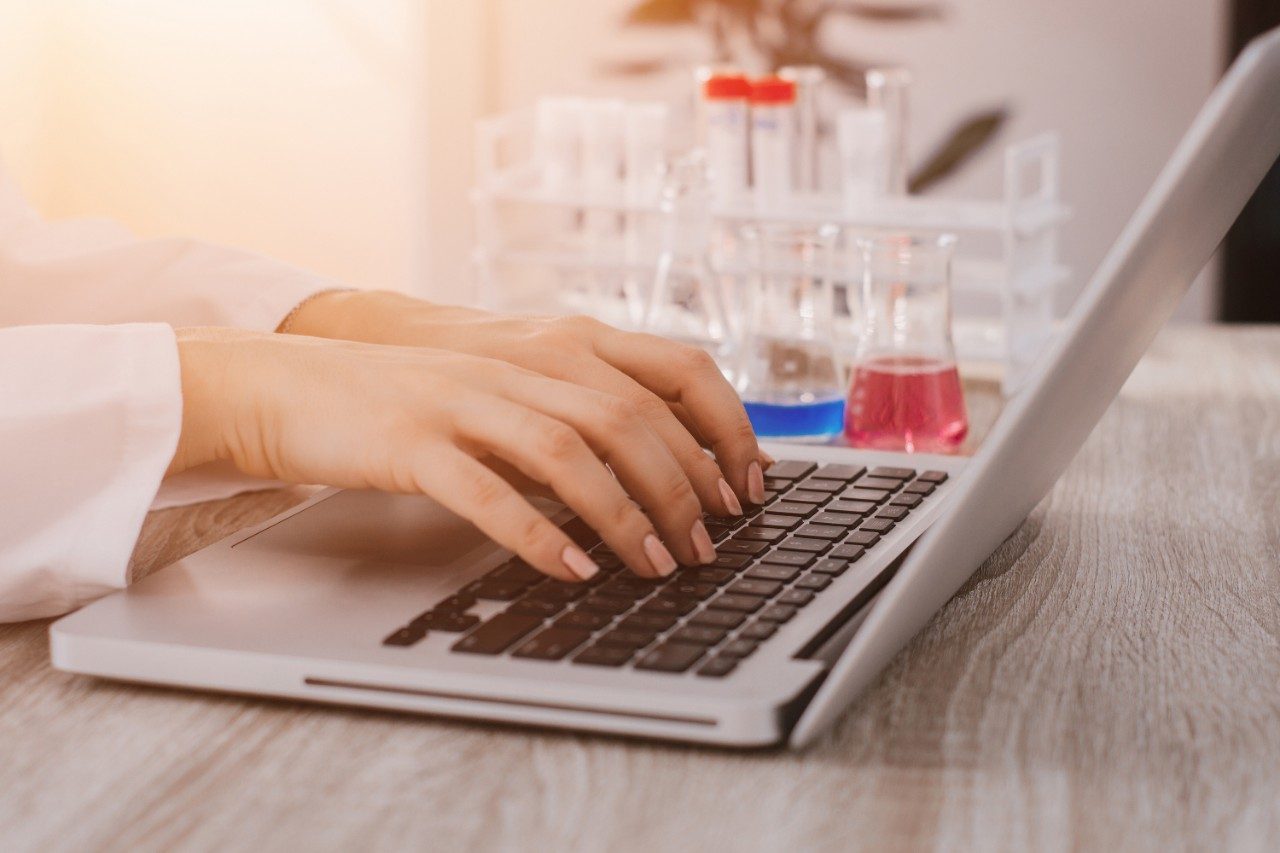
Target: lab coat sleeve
column 93, row 271
column 89, row 421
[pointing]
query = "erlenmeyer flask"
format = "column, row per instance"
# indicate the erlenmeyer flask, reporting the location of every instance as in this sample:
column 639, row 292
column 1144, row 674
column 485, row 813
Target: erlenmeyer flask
column 906, row 392
column 787, row 373
column 687, row 302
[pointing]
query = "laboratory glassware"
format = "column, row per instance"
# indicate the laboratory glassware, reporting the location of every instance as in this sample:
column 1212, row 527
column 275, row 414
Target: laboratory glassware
column 887, row 90
column 808, row 80
column 772, row 129
column 688, row 301
column 906, row 392
column 645, row 144
column 787, row 372
column 602, row 189
column 725, row 112
column 862, row 137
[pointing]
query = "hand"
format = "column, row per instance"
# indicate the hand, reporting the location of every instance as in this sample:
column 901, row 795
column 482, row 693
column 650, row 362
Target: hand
column 676, row 389
column 424, row 421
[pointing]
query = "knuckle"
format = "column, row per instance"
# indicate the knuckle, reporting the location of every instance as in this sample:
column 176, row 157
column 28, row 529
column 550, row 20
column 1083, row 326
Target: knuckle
column 533, row 534
column 559, row 441
column 624, row 515
column 488, row 493
column 697, row 360
column 617, row 413
column 680, row 490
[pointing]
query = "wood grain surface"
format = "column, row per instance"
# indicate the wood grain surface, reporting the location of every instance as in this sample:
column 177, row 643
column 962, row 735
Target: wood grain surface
column 1109, row 679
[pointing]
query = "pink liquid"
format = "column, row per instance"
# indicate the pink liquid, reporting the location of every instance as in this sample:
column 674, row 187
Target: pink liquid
column 906, row 403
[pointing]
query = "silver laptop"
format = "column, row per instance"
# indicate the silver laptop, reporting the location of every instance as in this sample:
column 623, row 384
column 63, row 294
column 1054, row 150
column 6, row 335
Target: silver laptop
column 387, row 601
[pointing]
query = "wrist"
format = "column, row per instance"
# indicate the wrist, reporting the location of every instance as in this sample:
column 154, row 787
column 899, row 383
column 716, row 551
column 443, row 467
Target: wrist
column 204, row 358
column 370, row 316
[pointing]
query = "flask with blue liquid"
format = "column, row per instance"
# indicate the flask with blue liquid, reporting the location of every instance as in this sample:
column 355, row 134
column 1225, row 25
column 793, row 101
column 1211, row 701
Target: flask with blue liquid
column 787, row 372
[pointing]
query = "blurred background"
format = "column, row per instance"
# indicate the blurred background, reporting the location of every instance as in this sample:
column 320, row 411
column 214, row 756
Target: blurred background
column 338, row 134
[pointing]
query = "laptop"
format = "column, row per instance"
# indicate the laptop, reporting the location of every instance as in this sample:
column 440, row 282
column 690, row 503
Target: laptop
column 386, row 601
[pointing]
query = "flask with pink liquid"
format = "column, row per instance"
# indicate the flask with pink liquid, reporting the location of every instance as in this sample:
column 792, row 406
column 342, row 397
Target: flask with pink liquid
column 906, row 392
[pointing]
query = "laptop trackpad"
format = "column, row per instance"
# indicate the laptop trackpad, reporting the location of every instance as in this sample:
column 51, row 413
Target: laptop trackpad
column 377, row 527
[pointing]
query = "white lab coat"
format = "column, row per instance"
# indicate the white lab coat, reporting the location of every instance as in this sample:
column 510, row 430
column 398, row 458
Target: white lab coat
column 90, row 400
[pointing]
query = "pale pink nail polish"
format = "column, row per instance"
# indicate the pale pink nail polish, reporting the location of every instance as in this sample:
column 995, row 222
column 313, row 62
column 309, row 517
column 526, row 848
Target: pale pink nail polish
column 702, row 543
column 659, row 557
column 576, row 561
column 729, row 498
column 755, row 483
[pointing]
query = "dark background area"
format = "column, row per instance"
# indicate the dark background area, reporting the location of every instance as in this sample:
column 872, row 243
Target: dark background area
column 1251, row 269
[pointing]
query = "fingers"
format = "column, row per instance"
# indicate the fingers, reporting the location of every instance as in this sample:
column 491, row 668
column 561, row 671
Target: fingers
column 689, row 376
column 468, row 488
column 617, row 432
column 552, row 452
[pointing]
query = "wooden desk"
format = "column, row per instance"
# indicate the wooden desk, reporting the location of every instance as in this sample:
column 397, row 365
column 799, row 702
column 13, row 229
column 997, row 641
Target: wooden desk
column 1109, row 679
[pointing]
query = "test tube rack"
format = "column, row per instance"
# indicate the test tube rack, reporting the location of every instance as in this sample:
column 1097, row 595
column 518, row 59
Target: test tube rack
column 534, row 246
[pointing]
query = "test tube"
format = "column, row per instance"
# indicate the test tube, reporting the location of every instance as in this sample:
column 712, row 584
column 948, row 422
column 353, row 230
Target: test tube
column 772, row 129
column 808, row 80
column 558, row 144
column 645, row 142
column 602, row 163
column 887, row 91
column 726, row 111
column 862, row 138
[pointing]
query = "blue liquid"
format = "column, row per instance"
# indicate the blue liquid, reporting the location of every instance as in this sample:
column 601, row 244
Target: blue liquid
column 821, row 419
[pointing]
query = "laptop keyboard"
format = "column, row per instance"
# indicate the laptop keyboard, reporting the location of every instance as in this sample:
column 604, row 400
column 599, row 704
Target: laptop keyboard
column 770, row 563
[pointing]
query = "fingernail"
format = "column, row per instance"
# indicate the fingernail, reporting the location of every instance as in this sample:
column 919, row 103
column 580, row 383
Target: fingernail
column 577, row 561
column 702, row 543
column 766, row 458
column 659, row 557
column 755, row 483
column 729, row 498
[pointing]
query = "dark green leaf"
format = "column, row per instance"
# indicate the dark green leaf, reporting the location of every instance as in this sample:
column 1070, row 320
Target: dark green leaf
column 961, row 145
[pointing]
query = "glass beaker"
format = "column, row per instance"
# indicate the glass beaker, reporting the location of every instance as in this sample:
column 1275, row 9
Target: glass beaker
column 688, row 301
column 906, row 393
column 787, row 373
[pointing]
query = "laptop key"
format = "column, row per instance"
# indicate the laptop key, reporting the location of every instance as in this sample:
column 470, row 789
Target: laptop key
column 815, row 484
column 797, row 559
column 847, row 551
column 498, row 634
column 537, row 607
column 790, row 469
column 776, row 484
column 626, row 637
column 669, row 604
column 671, row 657
column 843, row 519
column 814, row 582
column 741, row 546
column 840, row 472
column 455, row 603
column 802, row 510
column 718, row 667
column 770, row 519
column 919, row 487
column 875, row 525
column 581, row 533
column 604, row 655
column 718, row 618
column 690, row 589
column 551, row 644
column 803, row 496
column 405, row 636
column 752, row 586
column 627, row 587
column 583, row 620
column 857, row 493
column 865, row 538
column 835, row 568
column 759, row 630
column 798, row 543
column 933, row 476
column 759, row 534
column 777, row 613
column 893, row 513
column 516, row 570
column 796, row 597
column 648, row 621
column 733, row 601
column 846, row 507
column 449, row 621
column 892, row 473
column 716, row 576
column 557, row 591
column 739, row 648
column 699, row 635
column 769, row 572
column 822, row 531
column 606, row 604
column 878, row 483
column 910, row 501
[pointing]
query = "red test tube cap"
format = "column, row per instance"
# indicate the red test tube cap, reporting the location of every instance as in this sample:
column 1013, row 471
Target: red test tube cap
column 726, row 87
column 772, row 90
